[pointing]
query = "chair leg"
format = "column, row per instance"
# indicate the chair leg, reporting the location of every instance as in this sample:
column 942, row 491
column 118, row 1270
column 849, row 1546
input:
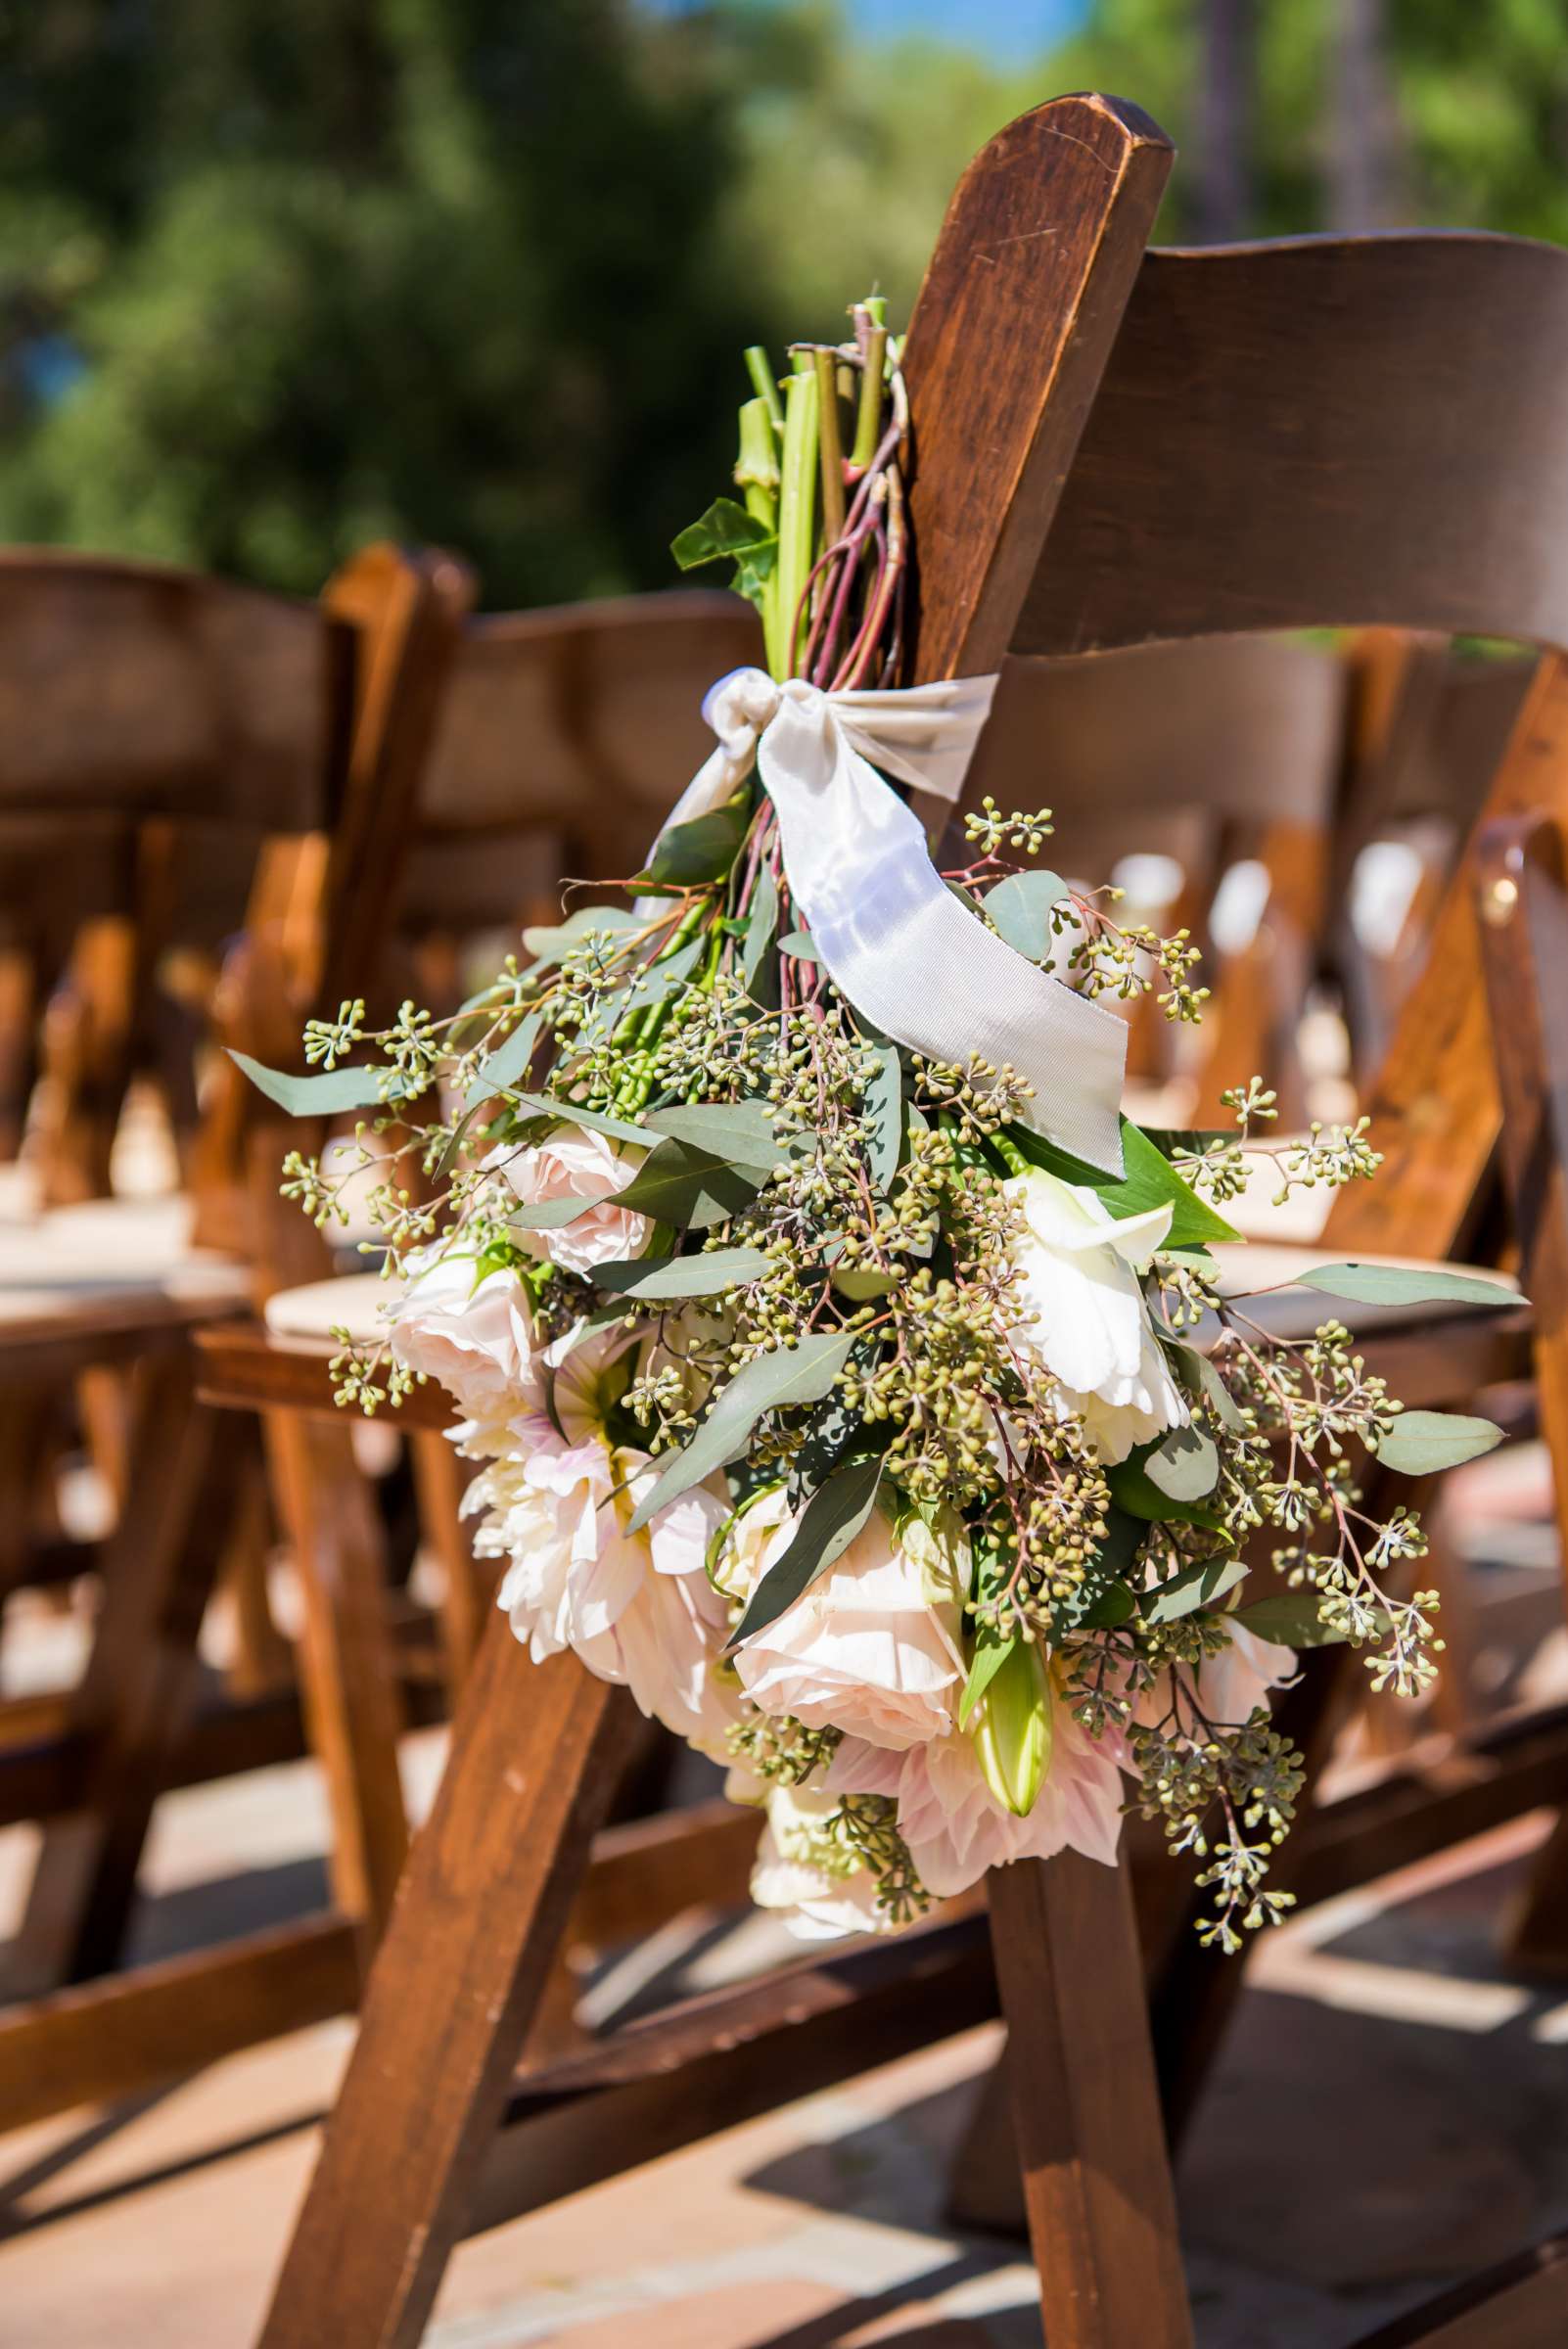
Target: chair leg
column 454, row 1989
column 348, row 1672
column 1090, row 2142
column 134, row 1698
column 440, row 1481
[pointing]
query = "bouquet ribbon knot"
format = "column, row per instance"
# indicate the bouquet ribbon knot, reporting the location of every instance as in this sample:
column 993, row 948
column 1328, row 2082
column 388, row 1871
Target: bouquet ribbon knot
column 894, row 939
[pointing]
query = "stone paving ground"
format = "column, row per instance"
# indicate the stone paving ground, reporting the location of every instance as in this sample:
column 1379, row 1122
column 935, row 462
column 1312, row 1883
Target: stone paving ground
column 1391, row 2113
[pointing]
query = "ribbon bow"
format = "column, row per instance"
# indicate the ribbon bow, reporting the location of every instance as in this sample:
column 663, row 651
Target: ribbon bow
column 893, row 938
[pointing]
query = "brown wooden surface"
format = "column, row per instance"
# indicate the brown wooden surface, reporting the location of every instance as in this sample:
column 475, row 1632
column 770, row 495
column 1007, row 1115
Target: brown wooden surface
column 1086, row 2108
column 1317, row 433
column 133, row 1701
column 349, row 1676
column 125, row 2035
column 1521, row 904
column 478, row 1914
column 1522, row 2305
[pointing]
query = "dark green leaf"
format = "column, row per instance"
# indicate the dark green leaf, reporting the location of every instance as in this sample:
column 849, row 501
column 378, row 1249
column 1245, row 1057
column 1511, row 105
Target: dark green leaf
column 776, row 1381
column 1421, row 1442
column 990, row 1656
column 1021, row 907
column 686, row 856
column 317, row 1096
column 1147, row 1179
column 683, row 1276
column 688, row 1187
column 1184, row 1464
column 758, row 964
column 1405, row 1284
column 726, row 528
column 1198, row 1585
column 829, row 1523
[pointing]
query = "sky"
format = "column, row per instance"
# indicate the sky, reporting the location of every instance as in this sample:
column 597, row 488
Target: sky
column 1012, row 31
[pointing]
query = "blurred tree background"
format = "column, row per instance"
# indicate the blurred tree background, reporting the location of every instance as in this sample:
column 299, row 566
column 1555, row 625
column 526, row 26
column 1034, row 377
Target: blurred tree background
column 277, row 276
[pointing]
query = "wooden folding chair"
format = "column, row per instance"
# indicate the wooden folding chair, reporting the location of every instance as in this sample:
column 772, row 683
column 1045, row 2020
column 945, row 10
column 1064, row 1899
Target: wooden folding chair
column 1199, row 444
column 147, row 696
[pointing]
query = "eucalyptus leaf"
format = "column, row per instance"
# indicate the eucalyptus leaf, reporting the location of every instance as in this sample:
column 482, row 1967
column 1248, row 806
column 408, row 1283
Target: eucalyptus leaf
column 551, row 943
column 598, row 1121
column 829, row 1523
column 799, row 944
column 685, row 856
column 683, row 1276
column 506, row 1064
column 655, row 982
column 1147, row 1179
column 884, row 1107
column 1200, row 1377
column 1289, row 1617
column 739, row 1131
column 788, row 1376
column 1405, row 1284
column 1184, row 1465
column 1021, row 907
column 690, row 1188
column 1419, row 1442
column 1201, row 1585
column 319, row 1095
column 1135, row 1492
column 548, row 1215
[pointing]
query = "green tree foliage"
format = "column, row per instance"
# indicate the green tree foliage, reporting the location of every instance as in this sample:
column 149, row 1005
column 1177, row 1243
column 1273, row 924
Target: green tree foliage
column 457, row 271
column 280, row 275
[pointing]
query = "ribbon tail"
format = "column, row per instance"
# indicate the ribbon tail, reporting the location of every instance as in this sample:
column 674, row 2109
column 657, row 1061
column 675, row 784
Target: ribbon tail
column 908, row 956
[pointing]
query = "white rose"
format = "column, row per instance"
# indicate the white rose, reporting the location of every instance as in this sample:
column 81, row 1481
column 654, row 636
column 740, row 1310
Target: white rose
column 817, row 1884
column 1089, row 1323
column 472, row 1331
column 576, row 1163
column 871, row 1647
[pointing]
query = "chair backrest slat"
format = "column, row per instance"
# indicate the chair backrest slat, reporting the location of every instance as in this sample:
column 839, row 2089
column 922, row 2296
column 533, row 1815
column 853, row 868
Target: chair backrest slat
column 130, row 690
column 1323, row 433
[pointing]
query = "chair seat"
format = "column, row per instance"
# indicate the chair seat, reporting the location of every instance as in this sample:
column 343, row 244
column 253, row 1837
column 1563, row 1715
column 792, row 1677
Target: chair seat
column 122, row 1265
column 354, row 1302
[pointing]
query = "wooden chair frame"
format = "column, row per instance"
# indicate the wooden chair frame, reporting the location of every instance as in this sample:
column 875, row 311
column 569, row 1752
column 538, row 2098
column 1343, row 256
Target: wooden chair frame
column 1050, row 226
column 92, row 1766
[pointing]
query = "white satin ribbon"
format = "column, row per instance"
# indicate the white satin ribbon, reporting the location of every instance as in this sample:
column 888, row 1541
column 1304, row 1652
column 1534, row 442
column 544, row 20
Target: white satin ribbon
column 893, row 936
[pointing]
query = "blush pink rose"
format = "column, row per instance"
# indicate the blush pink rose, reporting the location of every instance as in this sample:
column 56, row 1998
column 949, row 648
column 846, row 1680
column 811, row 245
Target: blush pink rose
column 955, row 1825
column 871, row 1648
column 577, row 1164
column 472, row 1331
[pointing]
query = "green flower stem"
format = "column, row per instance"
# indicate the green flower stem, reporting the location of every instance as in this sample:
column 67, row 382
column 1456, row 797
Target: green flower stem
column 760, row 367
column 797, row 513
column 1009, row 1153
column 868, row 418
column 757, row 477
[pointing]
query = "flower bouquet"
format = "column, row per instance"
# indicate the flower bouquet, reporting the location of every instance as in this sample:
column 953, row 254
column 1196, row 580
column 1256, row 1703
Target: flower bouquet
column 846, row 1377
